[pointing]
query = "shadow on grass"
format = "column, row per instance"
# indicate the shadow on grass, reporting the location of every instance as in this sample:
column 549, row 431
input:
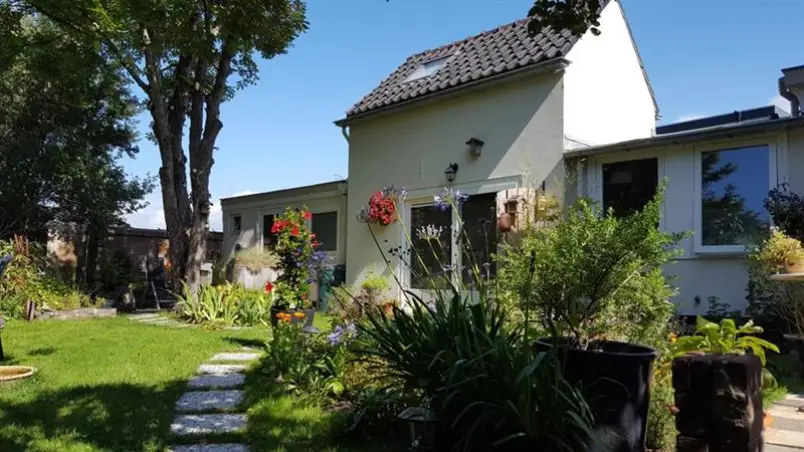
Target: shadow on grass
column 242, row 342
column 119, row 417
column 43, row 351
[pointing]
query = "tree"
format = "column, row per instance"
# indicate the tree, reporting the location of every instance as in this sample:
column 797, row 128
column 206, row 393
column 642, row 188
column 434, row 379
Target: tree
column 68, row 119
column 577, row 16
column 182, row 55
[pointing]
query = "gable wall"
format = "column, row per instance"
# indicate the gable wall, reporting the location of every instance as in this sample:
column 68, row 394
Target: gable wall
column 607, row 98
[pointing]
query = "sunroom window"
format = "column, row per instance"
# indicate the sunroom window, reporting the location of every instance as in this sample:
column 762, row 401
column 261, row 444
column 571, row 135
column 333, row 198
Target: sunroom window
column 733, row 185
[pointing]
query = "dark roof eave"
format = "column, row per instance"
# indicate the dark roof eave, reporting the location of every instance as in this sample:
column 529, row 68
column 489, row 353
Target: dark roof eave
column 552, row 65
column 689, row 136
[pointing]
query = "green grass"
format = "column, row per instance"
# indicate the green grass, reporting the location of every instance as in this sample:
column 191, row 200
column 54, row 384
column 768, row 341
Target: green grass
column 101, row 385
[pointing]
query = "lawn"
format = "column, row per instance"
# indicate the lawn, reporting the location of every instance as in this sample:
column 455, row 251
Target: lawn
column 102, row 385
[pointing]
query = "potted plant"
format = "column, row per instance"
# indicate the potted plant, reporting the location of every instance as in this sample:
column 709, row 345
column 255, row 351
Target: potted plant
column 784, row 252
column 587, row 274
column 297, row 258
column 382, row 207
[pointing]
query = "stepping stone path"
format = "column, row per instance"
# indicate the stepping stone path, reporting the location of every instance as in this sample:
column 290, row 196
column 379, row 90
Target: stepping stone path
column 209, row 407
column 786, row 432
column 153, row 318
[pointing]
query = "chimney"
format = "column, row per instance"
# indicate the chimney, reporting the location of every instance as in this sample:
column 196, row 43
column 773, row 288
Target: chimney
column 791, row 87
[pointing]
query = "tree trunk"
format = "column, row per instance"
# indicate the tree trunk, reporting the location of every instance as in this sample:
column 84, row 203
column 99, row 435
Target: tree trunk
column 91, row 260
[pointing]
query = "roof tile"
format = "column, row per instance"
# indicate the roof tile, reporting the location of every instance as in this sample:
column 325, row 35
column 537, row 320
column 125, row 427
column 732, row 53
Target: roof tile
column 490, row 53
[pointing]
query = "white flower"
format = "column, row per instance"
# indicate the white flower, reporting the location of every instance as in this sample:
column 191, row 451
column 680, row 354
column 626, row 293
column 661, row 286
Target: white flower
column 429, row 232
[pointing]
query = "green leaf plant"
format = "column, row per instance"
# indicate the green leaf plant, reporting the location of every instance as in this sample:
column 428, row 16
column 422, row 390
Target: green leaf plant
column 724, row 338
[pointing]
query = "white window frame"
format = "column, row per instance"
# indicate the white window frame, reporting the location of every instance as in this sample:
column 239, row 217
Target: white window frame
column 772, row 144
column 261, row 225
column 231, row 223
column 597, row 182
column 337, row 225
column 424, row 197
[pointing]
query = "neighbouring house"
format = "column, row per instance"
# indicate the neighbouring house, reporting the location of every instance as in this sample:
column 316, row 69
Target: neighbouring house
column 509, row 116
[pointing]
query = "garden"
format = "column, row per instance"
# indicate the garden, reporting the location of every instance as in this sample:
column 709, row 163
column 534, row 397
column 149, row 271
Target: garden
column 568, row 344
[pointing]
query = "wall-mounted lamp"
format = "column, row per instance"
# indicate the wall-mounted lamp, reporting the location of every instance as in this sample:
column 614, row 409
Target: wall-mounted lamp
column 451, row 172
column 475, row 146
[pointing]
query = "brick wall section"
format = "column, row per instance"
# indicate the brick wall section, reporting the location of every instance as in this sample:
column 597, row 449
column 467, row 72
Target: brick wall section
column 719, row 403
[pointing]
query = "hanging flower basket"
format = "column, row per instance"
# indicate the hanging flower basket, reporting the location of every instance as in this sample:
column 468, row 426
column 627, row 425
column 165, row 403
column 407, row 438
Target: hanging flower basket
column 382, row 207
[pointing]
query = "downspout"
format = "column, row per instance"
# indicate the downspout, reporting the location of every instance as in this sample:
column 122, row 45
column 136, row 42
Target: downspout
column 345, row 132
column 795, row 106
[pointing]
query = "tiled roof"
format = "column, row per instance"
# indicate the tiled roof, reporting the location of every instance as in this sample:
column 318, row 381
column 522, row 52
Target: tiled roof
column 490, row 53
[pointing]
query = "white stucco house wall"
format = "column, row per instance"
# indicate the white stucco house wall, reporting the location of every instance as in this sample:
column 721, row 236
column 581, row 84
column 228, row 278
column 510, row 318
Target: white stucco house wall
column 553, row 112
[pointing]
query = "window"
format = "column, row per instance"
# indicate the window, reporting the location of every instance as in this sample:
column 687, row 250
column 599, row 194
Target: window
column 480, row 226
column 629, row 185
column 269, row 239
column 428, row 68
column 236, row 224
column 325, row 227
column 733, row 184
column 431, row 232
column 433, row 247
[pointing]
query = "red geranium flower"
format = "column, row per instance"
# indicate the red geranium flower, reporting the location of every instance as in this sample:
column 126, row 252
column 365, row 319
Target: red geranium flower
column 269, row 287
column 307, row 215
column 295, row 231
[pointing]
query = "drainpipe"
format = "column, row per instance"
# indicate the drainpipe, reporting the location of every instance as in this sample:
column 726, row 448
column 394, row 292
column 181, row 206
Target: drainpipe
column 794, row 102
column 345, row 132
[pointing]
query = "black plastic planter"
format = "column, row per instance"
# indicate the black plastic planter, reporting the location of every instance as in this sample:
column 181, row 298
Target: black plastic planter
column 797, row 343
column 615, row 379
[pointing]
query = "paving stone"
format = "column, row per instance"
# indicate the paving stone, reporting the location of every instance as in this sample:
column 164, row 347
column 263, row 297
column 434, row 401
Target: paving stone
column 200, row 401
column 220, row 369
column 143, row 316
column 217, row 381
column 231, row 447
column 787, row 438
column 156, row 320
column 236, row 357
column 205, row 424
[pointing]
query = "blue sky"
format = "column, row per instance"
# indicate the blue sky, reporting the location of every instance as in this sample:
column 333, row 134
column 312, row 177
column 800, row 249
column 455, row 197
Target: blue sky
column 702, row 57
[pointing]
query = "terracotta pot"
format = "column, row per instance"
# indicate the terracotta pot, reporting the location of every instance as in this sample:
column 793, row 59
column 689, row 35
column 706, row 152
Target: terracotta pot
column 796, row 266
column 505, row 222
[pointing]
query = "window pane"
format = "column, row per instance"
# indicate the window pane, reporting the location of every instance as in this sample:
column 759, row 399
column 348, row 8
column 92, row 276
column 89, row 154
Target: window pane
column 268, row 237
column 628, row 186
column 435, row 253
column 480, row 239
column 734, row 183
column 237, row 223
column 325, row 228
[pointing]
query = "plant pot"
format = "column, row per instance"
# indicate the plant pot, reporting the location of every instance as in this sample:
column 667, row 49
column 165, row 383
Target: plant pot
column 309, row 316
column 615, row 380
column 795, row 266
column 796, row 342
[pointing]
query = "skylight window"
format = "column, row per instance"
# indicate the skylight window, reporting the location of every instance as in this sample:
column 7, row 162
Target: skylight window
column 427, row 69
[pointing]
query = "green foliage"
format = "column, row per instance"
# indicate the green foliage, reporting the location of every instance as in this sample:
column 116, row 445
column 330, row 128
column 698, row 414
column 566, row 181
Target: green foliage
column 372, row 294
column 724, row 338
column 779, row 305
column 68, row 119
column 478, row 375
column 28, row 277
column 595, row 274
column 225, row 305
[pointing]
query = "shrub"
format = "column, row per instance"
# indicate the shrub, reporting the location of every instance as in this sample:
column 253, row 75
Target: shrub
column 596, row 275
column 224, row 305
column 297, row 258
column 372, row 294
column 787, row 210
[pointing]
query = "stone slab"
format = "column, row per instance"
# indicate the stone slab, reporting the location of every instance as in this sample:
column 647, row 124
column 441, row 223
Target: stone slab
column 787, row 438
column 220, row 369
column 236, row 357
column 205, row 424
column 217, row 381
column 230, row 447
column 790, row 412
column 144, row 316
column 201, row 401
column 82, row 313
column 775, row 448
column 156, row 320
column 786, row 423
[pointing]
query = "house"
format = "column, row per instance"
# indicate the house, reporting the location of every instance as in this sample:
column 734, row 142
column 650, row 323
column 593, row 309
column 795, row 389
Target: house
column 500, row 116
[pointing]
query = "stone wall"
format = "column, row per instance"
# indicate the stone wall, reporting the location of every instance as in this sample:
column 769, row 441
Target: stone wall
column 719, row 403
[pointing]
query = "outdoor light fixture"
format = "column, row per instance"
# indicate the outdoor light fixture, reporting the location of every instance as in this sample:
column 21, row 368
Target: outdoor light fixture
column 475, row 146
column 451, row 172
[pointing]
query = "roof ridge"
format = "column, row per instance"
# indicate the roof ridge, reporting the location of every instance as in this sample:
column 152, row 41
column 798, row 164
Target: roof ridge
column 469, row 38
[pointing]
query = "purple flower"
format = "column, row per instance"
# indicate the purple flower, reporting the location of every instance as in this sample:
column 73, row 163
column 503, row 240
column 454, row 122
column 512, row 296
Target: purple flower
column 335, row 336
column 447, row 197
column 351, row 328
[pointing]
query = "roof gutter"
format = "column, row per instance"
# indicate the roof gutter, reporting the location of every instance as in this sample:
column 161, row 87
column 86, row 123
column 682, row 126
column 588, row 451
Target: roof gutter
column 548, row 66
column 686, row 137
